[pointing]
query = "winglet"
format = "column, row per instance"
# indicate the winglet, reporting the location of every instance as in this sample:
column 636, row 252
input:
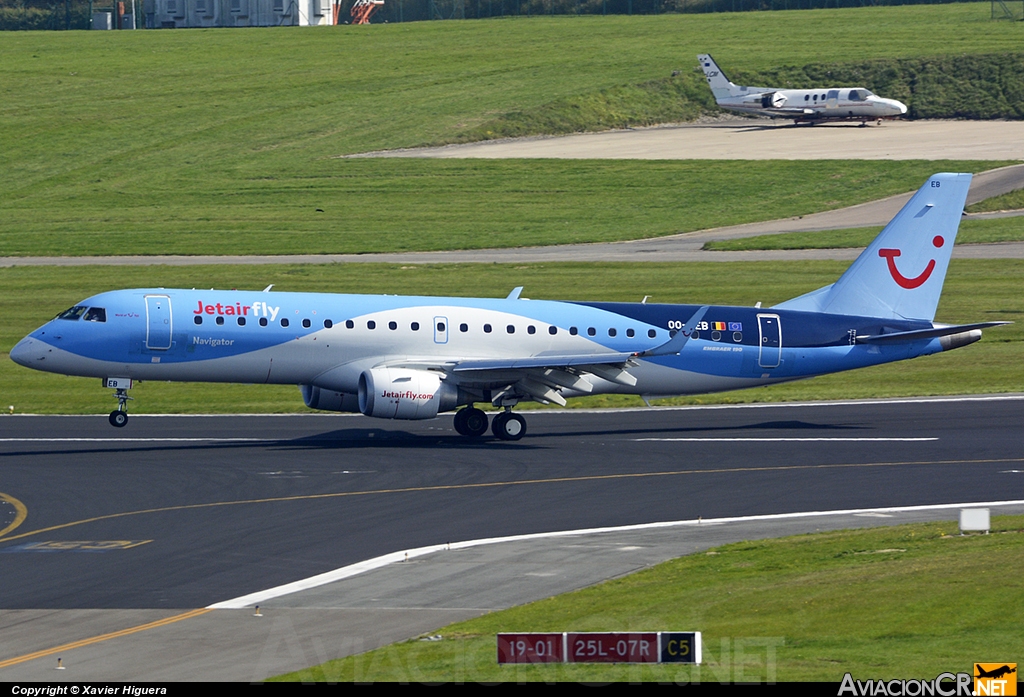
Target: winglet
column 674, row 345
column 514, row 295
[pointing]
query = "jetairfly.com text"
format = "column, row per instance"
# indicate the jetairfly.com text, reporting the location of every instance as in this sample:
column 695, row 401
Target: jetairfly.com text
column 257, row 309
column 408, row 394
column 55, row 690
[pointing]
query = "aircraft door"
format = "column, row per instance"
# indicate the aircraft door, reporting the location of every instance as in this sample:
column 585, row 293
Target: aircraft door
column 440, row 330
column 770, row 331
column 833, row 99
column 158, row 322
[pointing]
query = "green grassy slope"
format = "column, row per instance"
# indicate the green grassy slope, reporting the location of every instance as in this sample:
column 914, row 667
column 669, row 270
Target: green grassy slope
column 905, row 602
column 222, row 140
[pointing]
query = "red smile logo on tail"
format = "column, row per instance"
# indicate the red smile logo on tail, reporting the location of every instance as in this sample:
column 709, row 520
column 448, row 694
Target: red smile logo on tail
column 904, row 282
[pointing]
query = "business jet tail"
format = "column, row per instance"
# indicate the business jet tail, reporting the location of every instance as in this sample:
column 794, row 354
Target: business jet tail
column 900, row 274
column 721, row 86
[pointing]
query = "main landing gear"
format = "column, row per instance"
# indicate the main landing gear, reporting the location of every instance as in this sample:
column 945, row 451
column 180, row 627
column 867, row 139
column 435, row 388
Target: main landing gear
column 472, row 422
column 119, row 417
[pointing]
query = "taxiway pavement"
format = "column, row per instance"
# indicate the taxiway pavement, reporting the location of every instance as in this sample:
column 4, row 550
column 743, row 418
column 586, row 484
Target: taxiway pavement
column 137, row 532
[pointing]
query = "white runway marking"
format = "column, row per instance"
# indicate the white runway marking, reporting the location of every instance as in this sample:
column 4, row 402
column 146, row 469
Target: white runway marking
column 404, row 555
column 784, row 440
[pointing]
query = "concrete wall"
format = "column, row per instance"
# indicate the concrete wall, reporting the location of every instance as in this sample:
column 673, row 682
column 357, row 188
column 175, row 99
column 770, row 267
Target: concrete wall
column 236, row 13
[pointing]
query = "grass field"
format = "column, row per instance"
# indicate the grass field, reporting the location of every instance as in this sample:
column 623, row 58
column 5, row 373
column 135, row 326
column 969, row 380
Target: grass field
column 904, row 602
column 411, row 205
column 975, row 290
column 1011, row 201
column 971, row 232
column 224, row 141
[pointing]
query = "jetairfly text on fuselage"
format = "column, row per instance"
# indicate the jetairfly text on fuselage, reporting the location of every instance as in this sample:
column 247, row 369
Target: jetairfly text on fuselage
column 259, row 309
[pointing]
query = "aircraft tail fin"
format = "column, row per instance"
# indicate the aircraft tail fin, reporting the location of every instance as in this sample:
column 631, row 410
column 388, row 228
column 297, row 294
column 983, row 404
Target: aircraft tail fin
column 900, row 274
column 721, row 87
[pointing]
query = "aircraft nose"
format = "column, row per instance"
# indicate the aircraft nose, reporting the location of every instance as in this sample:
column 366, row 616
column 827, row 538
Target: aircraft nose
column 900, row 107
column 28, row 351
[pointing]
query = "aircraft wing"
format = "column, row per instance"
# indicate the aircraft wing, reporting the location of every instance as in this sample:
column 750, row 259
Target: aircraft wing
column 788, row 111
column 543, row 377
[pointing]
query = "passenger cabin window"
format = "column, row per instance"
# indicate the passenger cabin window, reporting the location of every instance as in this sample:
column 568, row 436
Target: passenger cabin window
column 72, row 313
column 197, row 319
column 652, row 333
column 463, row 327
column 328, row 324
column 371, row 324
column 220, row 319
column 95, row 314
column 241, row 321
column 487, row 329
column 349, row 324
column 552, row 330
column 415, row 326
column 263, row 321
column 306, row 323
column 284, row 321
column 392, row 325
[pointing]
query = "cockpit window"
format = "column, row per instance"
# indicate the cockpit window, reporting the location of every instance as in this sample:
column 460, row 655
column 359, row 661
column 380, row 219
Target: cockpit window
column 859, row 95
column 72, row 313
column 96, row 314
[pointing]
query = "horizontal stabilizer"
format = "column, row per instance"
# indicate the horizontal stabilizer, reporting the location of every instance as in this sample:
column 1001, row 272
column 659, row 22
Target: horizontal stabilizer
column 919, row 334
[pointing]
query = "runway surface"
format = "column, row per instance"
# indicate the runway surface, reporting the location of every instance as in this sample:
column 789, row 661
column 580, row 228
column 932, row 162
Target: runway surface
column 174, row 514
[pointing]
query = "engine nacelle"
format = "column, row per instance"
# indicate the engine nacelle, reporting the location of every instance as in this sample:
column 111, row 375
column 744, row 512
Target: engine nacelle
column 329, row 400
column 403, row 393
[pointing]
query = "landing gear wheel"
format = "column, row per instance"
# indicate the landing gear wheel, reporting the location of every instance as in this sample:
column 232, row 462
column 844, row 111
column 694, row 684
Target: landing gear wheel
column 508, row 426
column 459, row 422
column 470, row 422
column 475, row 422
column 118, row 418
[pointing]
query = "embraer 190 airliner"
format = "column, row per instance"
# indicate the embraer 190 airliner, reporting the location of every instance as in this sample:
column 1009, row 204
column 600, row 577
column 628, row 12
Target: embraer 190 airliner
column 398, row 357
column 809, row 106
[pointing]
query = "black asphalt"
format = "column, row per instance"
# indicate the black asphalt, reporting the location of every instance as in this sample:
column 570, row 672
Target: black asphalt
column 222, row 518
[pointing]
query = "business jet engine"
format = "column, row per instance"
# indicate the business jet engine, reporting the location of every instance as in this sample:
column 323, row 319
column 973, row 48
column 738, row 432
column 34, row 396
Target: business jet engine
column 403, row 393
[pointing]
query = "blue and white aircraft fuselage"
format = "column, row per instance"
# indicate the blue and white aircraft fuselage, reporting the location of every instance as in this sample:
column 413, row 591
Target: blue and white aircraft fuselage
column 415, row 357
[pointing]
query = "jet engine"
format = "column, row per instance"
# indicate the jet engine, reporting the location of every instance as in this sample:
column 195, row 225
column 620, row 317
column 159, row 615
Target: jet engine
column 328, row 400
column 403, row 393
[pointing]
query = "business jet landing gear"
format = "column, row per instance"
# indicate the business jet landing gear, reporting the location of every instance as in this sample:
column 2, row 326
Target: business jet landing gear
column 119, row 417
column 471, row 422
column 508, row 426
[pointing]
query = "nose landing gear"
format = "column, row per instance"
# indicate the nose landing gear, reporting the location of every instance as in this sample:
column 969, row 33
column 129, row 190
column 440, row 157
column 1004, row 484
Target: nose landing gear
column 119, row 417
